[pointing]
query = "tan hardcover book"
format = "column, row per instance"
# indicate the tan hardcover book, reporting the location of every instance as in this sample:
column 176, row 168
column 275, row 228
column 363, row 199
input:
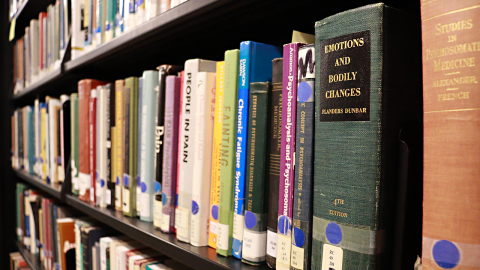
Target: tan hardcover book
column 119, row 145
column 451, row 104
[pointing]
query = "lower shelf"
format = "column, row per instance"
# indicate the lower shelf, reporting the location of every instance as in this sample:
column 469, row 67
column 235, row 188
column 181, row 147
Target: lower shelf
column 31, row 259
column 145, row 232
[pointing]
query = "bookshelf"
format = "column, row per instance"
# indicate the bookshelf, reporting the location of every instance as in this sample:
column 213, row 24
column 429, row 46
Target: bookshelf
column 31, row 260
column 194, row 29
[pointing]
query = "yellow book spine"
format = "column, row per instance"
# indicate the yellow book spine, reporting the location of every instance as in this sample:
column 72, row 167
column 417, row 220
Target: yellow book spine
column 216, row 146
column 43, row 150
column 119, row 144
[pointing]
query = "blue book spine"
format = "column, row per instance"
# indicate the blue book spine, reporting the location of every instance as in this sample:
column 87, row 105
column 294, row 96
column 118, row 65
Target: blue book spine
column 31, row 141
column 255, row 66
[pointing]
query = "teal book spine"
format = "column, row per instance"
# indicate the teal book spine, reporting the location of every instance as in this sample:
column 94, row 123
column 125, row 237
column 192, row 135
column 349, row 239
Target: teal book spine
column 227, row 156
column 365, row 92
column 148, row 109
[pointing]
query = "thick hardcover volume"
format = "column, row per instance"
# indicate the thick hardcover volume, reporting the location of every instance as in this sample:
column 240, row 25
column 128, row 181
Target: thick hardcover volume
column 148, row 145
column 139, row 144
column 92, row 128
column 302, row 194
column 101, row 149
column 451, row 239
column 166, row 207
column 164, row 71
column 119, row 143
column 255, row 231
column 74, row 142
column 285, row 200
column 65, row 129
column 204, row 115
column 84, row 178
column 362, row 101
column 187, row 137
column 129, row 192
column 255, row 66
column 66, row 243
column 52, row 151
column 110, row 126
column 227, row 154
column 216, row 152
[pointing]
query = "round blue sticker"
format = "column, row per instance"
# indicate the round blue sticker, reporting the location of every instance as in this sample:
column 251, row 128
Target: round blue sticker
column 102, row 183
column 195, row 207
column 446, row 254
column 176, row 200
column 304, row 92
column 250, row 220
column 158, row 187
column 334, row 233
column 143, row 187
column 237, row 247
column 139, row 180
column 125, row 181
column 164, row 199
column 118, row 181
column 284, row 225
column 215, row 211
column 298, row 237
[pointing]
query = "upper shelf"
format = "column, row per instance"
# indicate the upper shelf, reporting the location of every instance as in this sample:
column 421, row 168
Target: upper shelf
column 55, row 192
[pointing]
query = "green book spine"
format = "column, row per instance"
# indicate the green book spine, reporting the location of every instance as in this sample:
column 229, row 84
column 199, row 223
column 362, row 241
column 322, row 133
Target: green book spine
column 255, row 230
column 74, row 142
column 131, row 132
column 227, row 158
column 366, row 61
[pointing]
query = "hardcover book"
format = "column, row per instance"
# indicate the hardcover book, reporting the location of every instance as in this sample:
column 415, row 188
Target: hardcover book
column 85, row 180
column 74, row 142
column 138, row 206
column 110, row 145
column 227, row 157
column 101, row 150
column 120, row 143
column 170, row 156
column 92, row 137
column 187, row 138
column 255, row 66
column 362, row 101
column 255, row 231
column 204, row 114
column 66, row 243
column 160, row 120
column 65, row 133
column 148, row 145
column 285, row 200
column 216, row 152
column 302, row 194
column 451, row 118
column 131, row 131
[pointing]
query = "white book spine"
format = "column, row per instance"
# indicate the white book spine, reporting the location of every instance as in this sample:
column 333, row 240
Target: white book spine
column 151, row 7
column 47, row 142
column 36, row 115
column 78, row 36
column 101, row 148
column 204, row 118
column 53, row 106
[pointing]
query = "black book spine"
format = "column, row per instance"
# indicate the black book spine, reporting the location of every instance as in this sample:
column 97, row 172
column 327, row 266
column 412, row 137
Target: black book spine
column 274, row 164
column 20, row 137
column 303, row 188
column 66, row 135
column 110, row 111
column 164, row 71
column 58, row 158
column 85, row 253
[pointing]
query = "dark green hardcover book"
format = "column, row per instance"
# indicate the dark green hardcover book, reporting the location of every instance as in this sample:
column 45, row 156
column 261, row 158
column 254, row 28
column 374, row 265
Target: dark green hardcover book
column 110, row 194
column 74, row 142
column 274, row 160
column 255, row 230
column 365, row 91
column 130, row 181
column 303, row 189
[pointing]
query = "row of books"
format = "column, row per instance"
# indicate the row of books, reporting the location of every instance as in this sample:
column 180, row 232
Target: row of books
column 95, row 22
column 62, row 240
column 17, row 262
column 314, row 177
column 14, row 6
column 43, row 46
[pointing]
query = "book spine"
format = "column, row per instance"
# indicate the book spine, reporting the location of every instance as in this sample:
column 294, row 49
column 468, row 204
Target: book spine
column 227, row 170
column 187, row 137
column 150, row 90
column 31, row 141
column 93, row 143
column 302, row 204
column 216, row 152
column 204, row 114
column 285, row 202
column 131, row 116
column 159, row 138
column 170, row 154
column 43, row 141
column 106, row 141
column 37, row 120
column 451, row 118
column 179, row 160
column 110, row 126
column 241, row 147
column 138, row 205
column 120, row 143
column 255, row 231
column 84, row 183
column 74, row 133
column 126, row 206
column 100, row 148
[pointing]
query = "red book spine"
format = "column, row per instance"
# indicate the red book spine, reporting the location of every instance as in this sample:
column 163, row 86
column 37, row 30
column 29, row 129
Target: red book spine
column 92, row 142
column 83, row 145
